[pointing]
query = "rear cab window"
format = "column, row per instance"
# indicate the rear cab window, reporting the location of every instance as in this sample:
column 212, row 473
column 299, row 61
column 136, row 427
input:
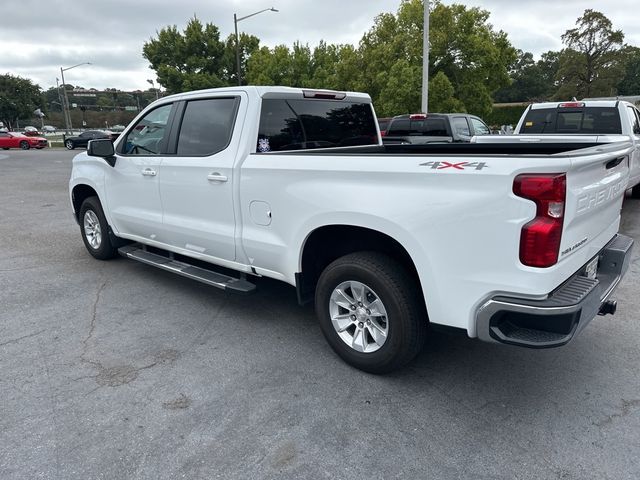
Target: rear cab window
column 405, row 127
column 584, row 120
column 302, row 124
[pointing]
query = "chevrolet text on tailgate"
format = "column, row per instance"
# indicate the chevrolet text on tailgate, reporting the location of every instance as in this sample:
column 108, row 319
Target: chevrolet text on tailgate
column 515, row 244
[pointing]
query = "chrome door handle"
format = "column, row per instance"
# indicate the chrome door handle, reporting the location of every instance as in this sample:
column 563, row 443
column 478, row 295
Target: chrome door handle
column 216, row 177
column 149, row 172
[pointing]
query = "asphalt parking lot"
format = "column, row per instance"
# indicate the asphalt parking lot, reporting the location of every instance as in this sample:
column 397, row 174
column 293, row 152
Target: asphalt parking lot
column 117, row 370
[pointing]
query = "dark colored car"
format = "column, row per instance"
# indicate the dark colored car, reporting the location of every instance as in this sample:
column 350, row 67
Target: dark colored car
column 82, row 140
column 18, row 140
column 434, row 127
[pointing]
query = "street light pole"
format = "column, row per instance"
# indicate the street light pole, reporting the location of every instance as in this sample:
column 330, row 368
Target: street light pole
column 425, row 60
column 235, row 24
column 65, row 106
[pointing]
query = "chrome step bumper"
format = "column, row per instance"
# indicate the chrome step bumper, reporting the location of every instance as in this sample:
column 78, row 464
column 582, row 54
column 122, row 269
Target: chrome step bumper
column 554, row 321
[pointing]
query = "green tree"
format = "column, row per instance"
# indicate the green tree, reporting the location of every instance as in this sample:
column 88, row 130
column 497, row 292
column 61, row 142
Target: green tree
column 270, row 67
column 190, row 60
column 19, row 97
column 590, row 65
column 549, row 65
column 530, row 81
column 630, row 82
column 463, row 45
column 441, row 95
column 249, row 44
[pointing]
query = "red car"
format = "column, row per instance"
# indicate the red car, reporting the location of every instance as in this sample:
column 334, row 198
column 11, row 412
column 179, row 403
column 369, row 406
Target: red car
column 18, row 140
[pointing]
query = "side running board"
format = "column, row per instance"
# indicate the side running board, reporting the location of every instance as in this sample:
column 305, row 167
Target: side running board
column 219, row 280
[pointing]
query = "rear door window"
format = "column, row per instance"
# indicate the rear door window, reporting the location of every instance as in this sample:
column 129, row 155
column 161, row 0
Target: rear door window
column 460, row 126
column 308, row 124
column 207, row 126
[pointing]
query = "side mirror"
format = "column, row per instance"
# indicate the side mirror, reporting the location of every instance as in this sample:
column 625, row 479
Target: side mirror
column 102, row 148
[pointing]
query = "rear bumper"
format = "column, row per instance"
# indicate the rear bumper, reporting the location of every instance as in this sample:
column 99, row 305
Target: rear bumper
column 554, row 321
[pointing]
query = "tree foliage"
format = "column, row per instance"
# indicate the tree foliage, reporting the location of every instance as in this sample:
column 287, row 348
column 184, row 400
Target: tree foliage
column 19, row 97
column 471, row 64
column 463, row 46
column 590, row 65
column 630, row 82
column 530, row 80
column 196, row 58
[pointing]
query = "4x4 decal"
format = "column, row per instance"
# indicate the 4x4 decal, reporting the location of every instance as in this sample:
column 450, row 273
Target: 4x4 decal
column 455, row 166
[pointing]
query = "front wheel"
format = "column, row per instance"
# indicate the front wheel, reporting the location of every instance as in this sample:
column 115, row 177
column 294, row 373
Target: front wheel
column 24, row 145
column 635, row 192
column 94, row 228
column 371, row 312
column 69, row 144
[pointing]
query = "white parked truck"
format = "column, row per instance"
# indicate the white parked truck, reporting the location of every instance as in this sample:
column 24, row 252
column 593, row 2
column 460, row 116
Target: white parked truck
column 588, row 121
column 511, row 244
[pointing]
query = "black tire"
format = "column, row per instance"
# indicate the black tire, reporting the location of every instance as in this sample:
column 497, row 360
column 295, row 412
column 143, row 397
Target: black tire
column 635, row 192
column 103, row 248
column 24, row 145
column 397, row 289
column 69, row 144
column 5, row 148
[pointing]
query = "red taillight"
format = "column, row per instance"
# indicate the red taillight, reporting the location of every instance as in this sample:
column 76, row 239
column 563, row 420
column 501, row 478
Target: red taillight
column 417, row 116
column 540, row 238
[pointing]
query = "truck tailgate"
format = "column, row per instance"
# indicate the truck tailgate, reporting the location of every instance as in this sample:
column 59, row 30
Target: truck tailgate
column 596, row 184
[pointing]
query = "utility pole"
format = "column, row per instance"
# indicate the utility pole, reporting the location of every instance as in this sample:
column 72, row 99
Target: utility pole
column 425, row 60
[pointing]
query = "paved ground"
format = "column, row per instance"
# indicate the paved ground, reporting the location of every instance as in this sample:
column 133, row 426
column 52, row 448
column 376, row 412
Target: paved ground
column 117, row 370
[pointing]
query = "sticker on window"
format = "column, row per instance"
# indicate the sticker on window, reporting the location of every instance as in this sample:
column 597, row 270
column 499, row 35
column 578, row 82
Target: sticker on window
column 263, row 145
column 528, row 124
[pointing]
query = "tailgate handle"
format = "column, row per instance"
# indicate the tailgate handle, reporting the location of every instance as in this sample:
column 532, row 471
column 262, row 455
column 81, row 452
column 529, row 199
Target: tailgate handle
column 614, row 163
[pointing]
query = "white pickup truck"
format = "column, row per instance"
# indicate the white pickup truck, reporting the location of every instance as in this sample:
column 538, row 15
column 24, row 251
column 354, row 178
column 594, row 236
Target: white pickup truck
column 516, row 245
column 587, row 121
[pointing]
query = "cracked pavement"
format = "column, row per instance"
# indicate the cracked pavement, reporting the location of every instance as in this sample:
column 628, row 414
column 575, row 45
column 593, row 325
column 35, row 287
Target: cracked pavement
column 117, row 370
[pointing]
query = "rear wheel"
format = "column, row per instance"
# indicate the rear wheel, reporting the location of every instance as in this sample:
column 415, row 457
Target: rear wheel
column 94, row 228
column 371, row 312
column 69, row 144
column 635, row 191
column 24, row 145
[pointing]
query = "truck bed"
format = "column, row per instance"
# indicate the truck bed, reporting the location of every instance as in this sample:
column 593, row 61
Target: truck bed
column 479, row 149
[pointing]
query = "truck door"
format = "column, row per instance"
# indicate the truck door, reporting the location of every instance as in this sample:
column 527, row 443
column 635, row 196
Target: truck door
column 131, row 186
column 634, row 167
column 196, row 179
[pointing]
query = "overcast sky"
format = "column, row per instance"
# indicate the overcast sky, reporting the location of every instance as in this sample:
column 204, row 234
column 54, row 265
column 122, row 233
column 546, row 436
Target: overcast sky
column 39, row 37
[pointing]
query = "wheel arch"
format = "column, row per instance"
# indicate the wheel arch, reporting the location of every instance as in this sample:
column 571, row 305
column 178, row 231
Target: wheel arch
column 79, row 193
column 327, row 243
